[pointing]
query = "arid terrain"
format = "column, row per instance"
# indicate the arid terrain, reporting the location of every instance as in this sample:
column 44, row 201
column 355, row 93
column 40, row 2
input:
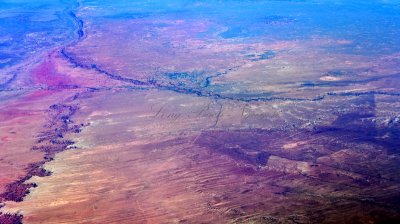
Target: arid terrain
column 200, row 112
